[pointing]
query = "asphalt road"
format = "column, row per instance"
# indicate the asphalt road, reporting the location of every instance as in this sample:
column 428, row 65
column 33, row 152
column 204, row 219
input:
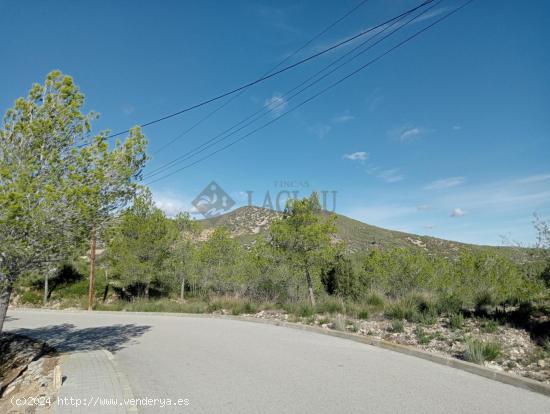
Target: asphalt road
column 225, row 366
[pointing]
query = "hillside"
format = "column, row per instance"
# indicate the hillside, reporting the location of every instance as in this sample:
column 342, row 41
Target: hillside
column 246, row 223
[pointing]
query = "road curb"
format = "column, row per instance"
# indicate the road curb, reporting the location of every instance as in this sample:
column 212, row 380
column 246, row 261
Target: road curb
column 503, row 377
column 92, row 377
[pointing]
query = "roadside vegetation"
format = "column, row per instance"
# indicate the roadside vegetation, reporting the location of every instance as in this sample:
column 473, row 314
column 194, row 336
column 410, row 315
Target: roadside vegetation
column 78, row 231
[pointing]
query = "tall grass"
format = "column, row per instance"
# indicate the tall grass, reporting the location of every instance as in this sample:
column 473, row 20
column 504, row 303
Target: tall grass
column 478, row 352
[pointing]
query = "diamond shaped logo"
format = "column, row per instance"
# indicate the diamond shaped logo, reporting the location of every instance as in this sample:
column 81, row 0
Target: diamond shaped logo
column 213, row 201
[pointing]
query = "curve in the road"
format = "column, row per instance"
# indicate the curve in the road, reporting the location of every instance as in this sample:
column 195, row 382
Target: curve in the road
column 226, row 366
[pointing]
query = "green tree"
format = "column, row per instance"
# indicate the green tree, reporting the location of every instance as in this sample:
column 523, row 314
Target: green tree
column 543, row 246
column 303, row 234
column 223, row 265
column 106, row 181
column 140, row 246
column 183, row 250
column 39, row 147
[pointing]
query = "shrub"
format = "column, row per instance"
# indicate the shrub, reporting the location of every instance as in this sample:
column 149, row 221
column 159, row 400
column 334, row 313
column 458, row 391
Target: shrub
column 489, row 326
column 397, row 326
column 354, row 325
column 449, row 304
column 425, row 318
column 363, row 314
column 402, row 309
column 214, row 306
column 304, row 310
column 376, row 300
column 491, row 351
column 483, row 300
column 423, row 338
column 330, row 305
column 456, row 321
column 31, row 297
column 311, row 320
column 478, row 352
column 339, row 323
column 324, row 321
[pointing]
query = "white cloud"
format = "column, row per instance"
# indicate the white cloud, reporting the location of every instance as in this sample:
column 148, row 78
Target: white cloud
column 457, row 127
column 360, row 156
column 457, row 212
column 431, row 14
column 277, row 103
column 342, row 119
column 172, row 205
column 409, row 133
column 391, row 176
column 533, row 179
column 444, row 183
column 321, row 130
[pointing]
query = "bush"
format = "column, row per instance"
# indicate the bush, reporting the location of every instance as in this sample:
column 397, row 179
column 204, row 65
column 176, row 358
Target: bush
column 339, row 323
column 425, row 318
column 405, row 308
column 483, row 300
column 376, row 300
column 397, row 326
column 489, row 326
column 363, row 314
column 31, row 297
column 478, row 351
column 302, row 310
column 449, row 304
column 423, row 338
column 456, row 321
column 330, row 305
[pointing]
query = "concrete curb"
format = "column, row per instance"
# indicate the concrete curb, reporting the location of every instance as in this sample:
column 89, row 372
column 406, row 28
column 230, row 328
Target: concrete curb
column 94, row 374
column 482, row 371
column 123, row 381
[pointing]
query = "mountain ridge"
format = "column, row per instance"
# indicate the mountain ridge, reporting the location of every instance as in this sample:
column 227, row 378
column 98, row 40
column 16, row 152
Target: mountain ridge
column 248, row 222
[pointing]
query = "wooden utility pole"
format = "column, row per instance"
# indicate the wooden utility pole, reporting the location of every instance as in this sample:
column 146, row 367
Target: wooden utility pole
column 92, row 271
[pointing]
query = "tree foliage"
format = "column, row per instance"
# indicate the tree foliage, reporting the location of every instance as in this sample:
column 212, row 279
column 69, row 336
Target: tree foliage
column 303, row 235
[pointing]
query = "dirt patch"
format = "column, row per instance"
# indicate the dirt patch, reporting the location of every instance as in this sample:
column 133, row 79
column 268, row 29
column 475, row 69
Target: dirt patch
column 28, row 375
column 519, row 353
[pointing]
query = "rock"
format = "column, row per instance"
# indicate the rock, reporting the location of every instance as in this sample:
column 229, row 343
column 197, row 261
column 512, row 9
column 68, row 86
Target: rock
column 541, row 363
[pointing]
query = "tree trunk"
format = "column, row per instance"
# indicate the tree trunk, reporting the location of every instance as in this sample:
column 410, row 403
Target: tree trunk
column 182, row 289
column 46, row 291
column 146, row 293
column 92, row 271
column 106, row 291
column 4, row 303
column 310, row 288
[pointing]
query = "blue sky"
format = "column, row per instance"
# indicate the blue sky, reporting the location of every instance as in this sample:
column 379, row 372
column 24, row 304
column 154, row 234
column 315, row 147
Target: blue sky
column 447, row 136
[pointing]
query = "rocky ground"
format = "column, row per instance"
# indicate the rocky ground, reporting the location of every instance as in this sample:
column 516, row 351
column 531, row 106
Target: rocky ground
column 29, row 379
column 519, row 355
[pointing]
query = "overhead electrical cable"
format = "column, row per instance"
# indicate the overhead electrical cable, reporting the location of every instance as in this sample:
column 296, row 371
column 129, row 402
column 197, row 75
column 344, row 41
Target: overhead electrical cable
column 271, row 75
column 274, row 108
column 282, row 62
column 353, row 73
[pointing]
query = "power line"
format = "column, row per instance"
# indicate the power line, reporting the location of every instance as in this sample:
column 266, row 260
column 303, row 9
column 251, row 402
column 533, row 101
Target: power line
column 219, row 137
column 317, row 94
column 291, row 55
column 271, row 75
